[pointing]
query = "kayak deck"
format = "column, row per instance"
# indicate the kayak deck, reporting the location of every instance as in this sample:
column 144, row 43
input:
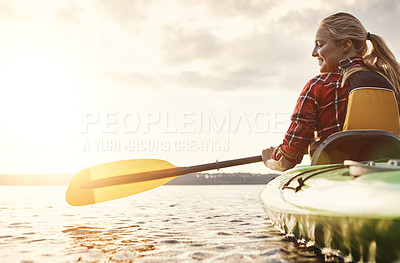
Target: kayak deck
column 357, row 218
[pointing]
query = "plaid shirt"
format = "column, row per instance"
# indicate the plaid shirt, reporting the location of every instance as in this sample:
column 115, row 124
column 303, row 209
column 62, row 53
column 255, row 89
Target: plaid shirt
column 321, row 107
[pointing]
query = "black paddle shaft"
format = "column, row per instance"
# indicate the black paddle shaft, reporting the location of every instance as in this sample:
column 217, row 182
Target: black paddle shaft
column 166, row 173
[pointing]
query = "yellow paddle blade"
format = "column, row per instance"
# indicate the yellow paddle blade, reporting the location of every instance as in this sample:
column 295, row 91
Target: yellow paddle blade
column 77, row 196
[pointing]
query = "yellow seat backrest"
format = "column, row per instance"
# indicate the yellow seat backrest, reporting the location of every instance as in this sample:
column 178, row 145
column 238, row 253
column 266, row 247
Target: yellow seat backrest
column 372, row 108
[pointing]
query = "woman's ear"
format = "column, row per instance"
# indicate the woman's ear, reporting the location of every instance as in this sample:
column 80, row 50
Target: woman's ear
column 347, row 46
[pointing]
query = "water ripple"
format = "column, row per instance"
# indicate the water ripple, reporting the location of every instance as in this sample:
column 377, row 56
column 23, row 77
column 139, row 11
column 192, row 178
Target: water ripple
column 216, row 224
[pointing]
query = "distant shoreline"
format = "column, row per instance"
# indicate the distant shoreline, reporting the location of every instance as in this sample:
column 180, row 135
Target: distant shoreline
column 189, row 179
column 222, row 178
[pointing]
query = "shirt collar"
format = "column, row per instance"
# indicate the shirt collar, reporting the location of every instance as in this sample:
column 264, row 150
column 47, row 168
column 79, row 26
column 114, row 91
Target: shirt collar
column 351, row 62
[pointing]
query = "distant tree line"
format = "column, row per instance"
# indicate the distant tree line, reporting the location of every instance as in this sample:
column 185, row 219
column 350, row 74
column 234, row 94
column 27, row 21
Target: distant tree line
column 222, row 178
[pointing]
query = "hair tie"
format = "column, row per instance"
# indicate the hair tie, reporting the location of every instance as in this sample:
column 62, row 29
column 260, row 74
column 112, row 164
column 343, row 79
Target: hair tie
column 368, row 36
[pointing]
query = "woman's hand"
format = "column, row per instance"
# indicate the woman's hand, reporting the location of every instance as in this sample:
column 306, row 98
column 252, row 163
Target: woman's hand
column 267, row 154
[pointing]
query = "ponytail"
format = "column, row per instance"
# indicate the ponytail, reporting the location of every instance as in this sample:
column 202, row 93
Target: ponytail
column 382, row 60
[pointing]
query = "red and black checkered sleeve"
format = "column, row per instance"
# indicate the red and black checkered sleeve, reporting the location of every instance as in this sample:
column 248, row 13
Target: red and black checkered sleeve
column 304, row 122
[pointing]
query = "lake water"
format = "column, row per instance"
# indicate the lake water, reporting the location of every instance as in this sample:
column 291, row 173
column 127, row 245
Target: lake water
column 218, row 223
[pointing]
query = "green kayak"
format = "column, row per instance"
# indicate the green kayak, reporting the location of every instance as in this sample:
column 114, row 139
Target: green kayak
column 351, row 208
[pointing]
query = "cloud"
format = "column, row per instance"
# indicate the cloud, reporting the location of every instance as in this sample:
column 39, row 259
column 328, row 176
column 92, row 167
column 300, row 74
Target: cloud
column 262, row 56
column 381, row 18
column 69, row 14
column 182, row 45
column 131, row 16
column 228, row 9
column 9, row 12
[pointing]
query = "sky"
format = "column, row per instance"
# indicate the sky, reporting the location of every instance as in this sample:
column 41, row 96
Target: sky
column 189, row 82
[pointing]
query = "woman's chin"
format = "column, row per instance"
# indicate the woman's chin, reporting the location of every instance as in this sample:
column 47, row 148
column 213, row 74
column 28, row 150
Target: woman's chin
column 323, row 69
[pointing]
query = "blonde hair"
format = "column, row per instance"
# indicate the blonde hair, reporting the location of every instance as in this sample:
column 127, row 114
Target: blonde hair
column 379, row 58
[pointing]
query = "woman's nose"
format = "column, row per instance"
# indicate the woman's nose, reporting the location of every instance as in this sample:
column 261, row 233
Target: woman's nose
column 314, row 52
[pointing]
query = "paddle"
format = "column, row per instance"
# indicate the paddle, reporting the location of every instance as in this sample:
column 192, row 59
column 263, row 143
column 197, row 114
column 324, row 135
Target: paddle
column 118, row 179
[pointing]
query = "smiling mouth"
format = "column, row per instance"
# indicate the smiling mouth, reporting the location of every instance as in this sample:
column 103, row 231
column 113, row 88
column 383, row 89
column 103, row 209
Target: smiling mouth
column 320, row 61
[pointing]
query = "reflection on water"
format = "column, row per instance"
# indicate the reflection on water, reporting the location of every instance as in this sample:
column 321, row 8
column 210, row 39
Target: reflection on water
column 167, row 224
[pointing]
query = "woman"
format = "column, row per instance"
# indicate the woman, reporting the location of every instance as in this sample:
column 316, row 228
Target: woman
column 341, row 49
